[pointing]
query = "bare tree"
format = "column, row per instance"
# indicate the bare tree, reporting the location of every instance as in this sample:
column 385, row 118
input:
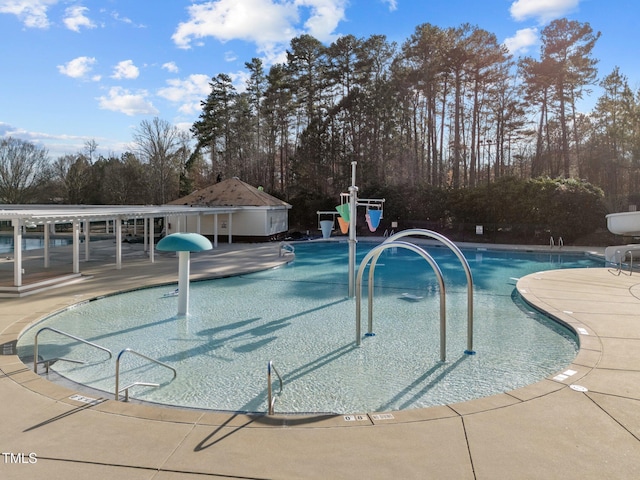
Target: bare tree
column 157, row 142
column 73, row 176
column 23, row 169
column 90, row 147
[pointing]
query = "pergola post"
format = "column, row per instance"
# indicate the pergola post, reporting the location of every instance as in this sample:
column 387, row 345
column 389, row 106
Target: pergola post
column 86, row 227
column 75, row 227
column 215, row 230
column 152, row 237
column 17, row 253
column 118, row 228
column 46, row 246
column 145, row 233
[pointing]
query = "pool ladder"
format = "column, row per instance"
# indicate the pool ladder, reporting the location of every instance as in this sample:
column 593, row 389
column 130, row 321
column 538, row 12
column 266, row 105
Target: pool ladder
column 118, row 390
column 49, row 361
column 552, row 243
column 622, row 256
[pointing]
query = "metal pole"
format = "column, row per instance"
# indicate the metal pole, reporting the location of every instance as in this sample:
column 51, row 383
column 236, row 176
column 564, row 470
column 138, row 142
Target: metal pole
column 353, row 210
column 183, row 282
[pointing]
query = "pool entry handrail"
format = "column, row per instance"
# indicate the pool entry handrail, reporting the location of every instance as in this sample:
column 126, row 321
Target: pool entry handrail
column 64, row 334
column 622, row 257
column 146, row 384
column 375, row 253
column 465, row 265
column 285, row 248
column 270, row 397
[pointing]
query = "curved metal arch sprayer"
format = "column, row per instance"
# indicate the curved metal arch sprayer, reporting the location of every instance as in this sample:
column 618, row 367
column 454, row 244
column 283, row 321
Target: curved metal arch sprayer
column 465, row 265
column 375, row 252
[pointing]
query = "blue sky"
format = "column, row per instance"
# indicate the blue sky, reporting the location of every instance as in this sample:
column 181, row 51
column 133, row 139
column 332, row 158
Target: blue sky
column 75, row 71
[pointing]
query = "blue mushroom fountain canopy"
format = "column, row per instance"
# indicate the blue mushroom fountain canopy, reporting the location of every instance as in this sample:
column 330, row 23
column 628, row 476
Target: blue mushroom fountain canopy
column 184, row 242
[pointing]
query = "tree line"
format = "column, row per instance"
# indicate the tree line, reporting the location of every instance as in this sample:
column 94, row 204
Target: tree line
column 449, row 109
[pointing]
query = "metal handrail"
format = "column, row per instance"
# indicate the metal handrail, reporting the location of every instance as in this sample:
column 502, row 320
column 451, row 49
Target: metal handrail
column 64, row 334
column 465, row 265
column 153, row 360
column 553, row 244
column 286, row 248
column 134, row 384
column 622, row 258
column 271, row 397
column 374, row 253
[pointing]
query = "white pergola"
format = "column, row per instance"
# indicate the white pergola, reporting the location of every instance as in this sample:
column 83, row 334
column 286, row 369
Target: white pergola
column 29, row 216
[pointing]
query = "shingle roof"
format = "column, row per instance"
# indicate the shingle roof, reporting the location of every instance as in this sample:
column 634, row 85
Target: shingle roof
column 231, row 192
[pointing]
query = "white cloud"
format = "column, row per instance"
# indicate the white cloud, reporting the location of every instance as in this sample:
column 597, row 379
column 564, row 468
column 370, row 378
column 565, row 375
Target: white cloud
column 184, row 126
column 324, row 17
column 122, row 100
column 522, row 40
column 170, row 67
column 78, row 67
column 542, row 10
column 33, row 13
column 116, row 16
column 75, row 18
column 270, row 24
column 188, row 92
column 393, row 4
column 125, row 70
column 56, row 144
column 259, row 21
column 239, row 80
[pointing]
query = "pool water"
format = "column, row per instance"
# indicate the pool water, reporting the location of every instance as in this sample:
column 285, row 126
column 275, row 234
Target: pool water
column 29, row 243
column 300, row 317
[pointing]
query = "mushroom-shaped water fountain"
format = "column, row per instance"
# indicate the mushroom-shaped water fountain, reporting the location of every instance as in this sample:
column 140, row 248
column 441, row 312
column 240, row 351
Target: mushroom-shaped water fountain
column 184, row 244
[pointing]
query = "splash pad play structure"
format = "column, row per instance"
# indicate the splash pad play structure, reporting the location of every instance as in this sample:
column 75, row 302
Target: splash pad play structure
column 184, row 244
column 347, row 213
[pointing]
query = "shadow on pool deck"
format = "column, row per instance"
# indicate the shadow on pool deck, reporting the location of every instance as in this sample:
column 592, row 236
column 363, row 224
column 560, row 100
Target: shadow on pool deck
column 545, row 430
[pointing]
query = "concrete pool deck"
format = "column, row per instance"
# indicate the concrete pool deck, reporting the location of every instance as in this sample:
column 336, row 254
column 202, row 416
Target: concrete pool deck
column 545, row 430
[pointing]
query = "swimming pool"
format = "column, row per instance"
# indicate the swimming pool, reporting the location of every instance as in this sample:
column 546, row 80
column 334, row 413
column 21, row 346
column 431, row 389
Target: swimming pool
column 299, row 316
column 29, row 243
